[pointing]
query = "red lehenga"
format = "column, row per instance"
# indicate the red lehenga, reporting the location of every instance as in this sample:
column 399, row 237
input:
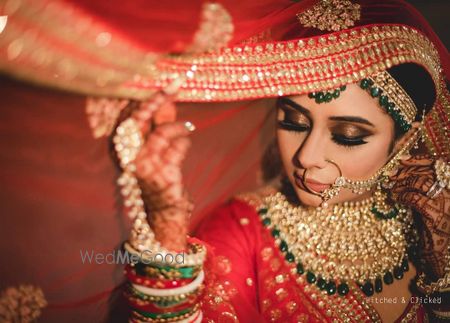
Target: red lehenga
column 249, row 280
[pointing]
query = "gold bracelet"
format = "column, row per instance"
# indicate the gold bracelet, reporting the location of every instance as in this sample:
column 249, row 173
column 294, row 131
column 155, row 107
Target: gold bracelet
column 441, row 285
column 441, row 314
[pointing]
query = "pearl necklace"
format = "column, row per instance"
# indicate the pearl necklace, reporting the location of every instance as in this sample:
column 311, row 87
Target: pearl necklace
column 345, row 242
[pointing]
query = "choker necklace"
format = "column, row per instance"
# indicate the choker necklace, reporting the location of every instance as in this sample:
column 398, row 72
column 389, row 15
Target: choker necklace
column 342, row 243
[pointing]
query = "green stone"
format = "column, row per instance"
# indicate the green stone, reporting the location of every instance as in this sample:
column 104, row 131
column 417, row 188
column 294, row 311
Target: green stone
column 275, row 233
column 378, row 285
column 311, row 95
column 321, row 283
column 300, row 269
column 283, row 246
column 290, row 257
column 375, row 91
column 384, row 101
column 398, row 272
column 328, row 97
column 336, row 93
column 310, row 277
column 263, row 211
column 390, row 107
column 367, row 288
column 319, row 97
column 331, row 288
column 343, row 87
column 343, row 289
column 364, row 84
column 266, row 221
column 388, row 278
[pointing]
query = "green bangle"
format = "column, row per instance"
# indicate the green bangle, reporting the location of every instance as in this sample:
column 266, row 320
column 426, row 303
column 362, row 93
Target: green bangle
column 167, row 271
column 164, row 315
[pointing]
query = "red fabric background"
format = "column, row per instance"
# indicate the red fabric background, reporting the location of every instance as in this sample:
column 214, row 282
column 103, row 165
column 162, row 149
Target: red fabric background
column 59, row 196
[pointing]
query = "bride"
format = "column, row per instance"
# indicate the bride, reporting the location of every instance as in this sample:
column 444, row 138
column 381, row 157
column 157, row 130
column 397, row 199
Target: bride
column 357, row 226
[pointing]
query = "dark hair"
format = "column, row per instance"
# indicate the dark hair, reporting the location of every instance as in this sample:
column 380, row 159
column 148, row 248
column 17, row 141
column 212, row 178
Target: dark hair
column 419, row 85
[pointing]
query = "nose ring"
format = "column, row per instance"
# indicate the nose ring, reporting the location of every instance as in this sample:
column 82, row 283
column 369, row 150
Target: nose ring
column 329, row 192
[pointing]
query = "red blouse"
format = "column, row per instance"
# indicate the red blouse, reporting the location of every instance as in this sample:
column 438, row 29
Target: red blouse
column 248, row 279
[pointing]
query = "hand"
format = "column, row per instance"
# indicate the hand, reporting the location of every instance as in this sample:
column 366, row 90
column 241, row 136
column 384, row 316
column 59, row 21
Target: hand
column 158, row 169
column 412, row 182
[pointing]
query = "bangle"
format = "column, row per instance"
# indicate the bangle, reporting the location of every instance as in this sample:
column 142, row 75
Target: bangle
column 441, row 314
column 441, row 285
column 197, row 317
column 162, row 283
column 162, row 302
column 173, row 317
column 162, row 299
column 195, row 257
column 172, row 291
column 166, row 272
column 158, row 308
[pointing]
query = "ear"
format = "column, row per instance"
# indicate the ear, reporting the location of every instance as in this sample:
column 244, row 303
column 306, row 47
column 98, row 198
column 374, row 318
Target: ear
column 402, row 141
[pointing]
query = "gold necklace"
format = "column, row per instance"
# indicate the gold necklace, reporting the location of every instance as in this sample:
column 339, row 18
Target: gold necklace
column 342, row 243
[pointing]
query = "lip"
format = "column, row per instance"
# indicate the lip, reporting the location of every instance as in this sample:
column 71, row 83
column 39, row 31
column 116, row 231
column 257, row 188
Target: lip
column 314, row 185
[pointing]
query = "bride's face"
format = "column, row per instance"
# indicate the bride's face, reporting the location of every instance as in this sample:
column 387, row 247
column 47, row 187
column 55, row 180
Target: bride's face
column 353, row 131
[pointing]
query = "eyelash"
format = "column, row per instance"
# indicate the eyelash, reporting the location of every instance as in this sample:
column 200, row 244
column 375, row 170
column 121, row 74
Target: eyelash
column 348, row 142
column 338, row 139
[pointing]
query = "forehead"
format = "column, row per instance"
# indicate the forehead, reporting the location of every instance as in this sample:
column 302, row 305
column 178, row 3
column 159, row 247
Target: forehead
column 353, row 101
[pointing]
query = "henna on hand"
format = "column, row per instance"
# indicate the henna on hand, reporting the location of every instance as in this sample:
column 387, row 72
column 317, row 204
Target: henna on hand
column 158, row 170
column 412, row 183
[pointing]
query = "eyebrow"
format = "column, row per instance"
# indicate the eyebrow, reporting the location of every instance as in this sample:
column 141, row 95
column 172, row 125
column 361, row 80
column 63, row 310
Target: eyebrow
column 295, row 105
column 353, row 119
column 303, row 110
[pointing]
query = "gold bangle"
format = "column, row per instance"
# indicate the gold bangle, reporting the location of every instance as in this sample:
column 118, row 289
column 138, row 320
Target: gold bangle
column 441, row 285
column 142, row 318
column 441, row 314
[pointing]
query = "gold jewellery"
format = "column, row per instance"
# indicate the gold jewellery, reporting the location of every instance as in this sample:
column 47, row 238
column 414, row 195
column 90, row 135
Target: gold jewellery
column 442, row 170
column 381, row 176
column 328, row 193
column 344, row 243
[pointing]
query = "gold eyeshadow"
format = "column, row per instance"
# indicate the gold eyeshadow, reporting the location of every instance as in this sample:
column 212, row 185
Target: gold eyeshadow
column 350, row 130
column 292, row 115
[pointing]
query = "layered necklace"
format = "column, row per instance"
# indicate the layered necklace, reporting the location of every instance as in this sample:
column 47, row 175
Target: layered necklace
column 344, row 243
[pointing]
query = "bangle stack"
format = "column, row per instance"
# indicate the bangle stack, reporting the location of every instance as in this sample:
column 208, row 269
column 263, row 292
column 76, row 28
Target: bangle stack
column 165, row 292
column 159, row 291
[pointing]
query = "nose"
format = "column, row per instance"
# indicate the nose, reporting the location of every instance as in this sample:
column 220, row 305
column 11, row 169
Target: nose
column 311, row 153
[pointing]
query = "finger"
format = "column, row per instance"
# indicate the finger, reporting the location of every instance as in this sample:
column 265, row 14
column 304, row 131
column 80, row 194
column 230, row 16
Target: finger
column 167, row 112
column 147, row 110
column 172, row 130
column 177, row 152
column 171, row 173
column 156, row 143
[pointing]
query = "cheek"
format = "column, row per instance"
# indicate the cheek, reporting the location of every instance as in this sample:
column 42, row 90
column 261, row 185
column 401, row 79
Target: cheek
column 288, row 144
column 363, row 161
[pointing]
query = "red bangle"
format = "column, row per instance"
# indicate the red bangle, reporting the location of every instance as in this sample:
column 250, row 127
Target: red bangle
column 148, row 306
column 131, row 275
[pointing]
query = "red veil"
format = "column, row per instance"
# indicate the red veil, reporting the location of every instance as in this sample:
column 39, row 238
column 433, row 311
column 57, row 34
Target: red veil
column 58, row 188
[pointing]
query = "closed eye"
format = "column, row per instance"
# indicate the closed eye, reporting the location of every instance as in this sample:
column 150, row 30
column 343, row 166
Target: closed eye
column 348, row 141
column 291, row 126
